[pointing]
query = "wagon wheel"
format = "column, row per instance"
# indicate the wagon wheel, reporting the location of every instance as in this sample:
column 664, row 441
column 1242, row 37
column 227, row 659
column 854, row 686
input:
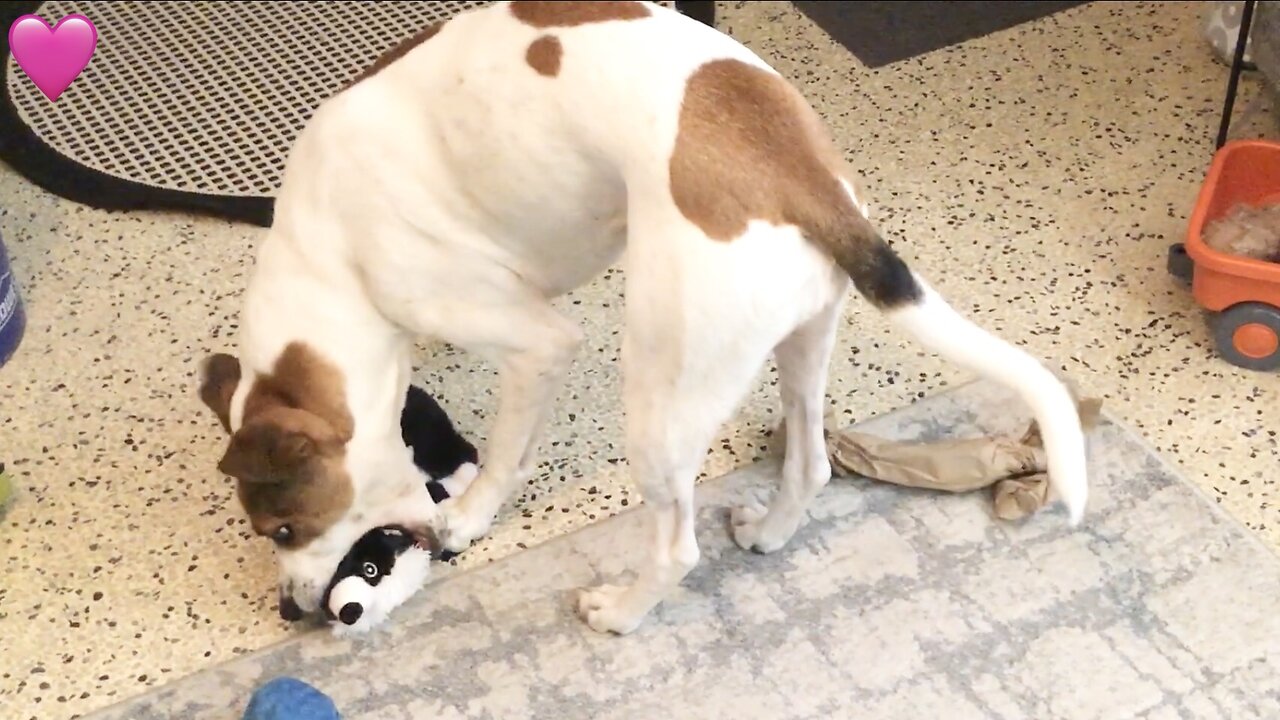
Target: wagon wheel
column 1248, row 336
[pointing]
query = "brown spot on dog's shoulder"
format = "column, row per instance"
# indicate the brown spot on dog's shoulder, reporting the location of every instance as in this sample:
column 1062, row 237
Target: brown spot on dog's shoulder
column 544, row 54
column 569, row 14
column 287, row 456
column 399, row 51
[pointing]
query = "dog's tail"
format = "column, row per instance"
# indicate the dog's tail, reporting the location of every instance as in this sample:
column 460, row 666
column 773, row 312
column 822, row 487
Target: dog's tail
column 910, row 303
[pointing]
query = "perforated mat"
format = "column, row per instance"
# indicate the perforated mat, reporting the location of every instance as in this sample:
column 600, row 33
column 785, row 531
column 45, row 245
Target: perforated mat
column 207, row 97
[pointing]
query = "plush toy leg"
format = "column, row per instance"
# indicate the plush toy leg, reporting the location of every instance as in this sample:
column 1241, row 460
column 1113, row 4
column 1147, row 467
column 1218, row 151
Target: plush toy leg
column 289, row 699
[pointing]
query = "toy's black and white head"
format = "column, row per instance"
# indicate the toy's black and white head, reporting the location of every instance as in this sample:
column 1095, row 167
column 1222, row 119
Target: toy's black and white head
column 383, row 569
column 387, row 565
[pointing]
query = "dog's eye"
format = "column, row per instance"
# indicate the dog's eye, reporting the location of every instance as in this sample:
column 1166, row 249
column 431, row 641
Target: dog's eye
column 370, row 570
column 282, row 534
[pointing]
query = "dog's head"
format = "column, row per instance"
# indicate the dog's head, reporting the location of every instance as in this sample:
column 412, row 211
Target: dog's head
column 288, row 466
column 287, row 455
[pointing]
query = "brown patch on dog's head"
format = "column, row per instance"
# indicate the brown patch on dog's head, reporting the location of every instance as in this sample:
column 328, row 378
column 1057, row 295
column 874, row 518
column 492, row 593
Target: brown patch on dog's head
column 543, row 55
column 749, row 147
column 399, row 51
column 287, row 456
column 290, row 478
column 569, row 14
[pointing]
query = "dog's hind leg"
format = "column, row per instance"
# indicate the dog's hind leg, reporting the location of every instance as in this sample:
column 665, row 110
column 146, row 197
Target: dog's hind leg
column 673, row 413
column 803, row 364
column 699, row 332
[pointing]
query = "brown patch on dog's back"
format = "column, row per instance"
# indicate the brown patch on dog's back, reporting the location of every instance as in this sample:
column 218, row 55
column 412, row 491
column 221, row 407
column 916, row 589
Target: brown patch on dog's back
column 749, row 147
column 569, row 14
column 287, row 456
column 544, row 54
column 399, row 51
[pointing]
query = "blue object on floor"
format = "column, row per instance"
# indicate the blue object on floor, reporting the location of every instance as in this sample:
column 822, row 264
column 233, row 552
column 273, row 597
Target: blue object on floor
column 13, row 318
column 287, row 698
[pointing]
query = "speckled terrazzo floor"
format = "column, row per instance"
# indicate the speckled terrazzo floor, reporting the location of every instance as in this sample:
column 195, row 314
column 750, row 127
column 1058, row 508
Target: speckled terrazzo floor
column 1037, row 175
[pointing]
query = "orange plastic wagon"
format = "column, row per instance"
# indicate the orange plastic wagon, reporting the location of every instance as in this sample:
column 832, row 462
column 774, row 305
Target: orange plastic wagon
column 1243, row 293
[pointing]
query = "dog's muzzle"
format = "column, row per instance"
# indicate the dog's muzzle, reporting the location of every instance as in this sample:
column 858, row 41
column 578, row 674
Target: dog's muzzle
column 289, row 610
column 304, row 575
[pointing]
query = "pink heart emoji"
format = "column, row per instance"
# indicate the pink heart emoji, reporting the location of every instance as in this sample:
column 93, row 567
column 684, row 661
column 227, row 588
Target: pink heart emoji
column 52, row 58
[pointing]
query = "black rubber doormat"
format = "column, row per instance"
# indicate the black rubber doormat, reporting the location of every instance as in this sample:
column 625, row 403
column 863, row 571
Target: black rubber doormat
column 882, row 33
column 191, row 106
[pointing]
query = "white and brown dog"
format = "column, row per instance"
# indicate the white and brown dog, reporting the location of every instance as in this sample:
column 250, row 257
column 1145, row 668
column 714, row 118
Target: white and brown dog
column 503, row 159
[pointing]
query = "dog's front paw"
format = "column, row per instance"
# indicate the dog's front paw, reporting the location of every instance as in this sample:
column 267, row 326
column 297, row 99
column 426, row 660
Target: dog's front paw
column 750, row 529
column 461, row 524
column 605, row 609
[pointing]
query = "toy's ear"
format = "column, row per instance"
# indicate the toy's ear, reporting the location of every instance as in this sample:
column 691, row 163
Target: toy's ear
column 266, row 452
column 219, row 376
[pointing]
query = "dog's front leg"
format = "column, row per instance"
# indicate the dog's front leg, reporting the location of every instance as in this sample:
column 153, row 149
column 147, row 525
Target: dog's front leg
column 533, row 347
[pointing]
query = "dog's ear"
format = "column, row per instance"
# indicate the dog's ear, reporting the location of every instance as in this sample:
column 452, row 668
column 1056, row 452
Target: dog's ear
column 219, row 376
column 267, row 453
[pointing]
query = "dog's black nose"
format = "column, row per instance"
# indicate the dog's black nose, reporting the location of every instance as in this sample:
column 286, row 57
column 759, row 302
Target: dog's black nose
column 350, row 613
column 289, row 610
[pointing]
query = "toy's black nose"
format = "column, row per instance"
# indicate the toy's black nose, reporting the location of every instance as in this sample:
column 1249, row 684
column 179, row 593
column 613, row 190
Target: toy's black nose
column 350, row 613
column 289, row 610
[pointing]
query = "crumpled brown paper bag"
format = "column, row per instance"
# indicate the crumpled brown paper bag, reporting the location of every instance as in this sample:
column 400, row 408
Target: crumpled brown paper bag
column 1014, row 467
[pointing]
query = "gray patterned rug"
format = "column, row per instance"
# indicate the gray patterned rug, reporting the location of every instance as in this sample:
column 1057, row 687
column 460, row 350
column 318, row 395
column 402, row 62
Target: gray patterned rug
column 887, row 604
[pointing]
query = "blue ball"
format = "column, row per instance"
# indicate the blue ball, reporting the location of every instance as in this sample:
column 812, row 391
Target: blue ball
column 290, row 699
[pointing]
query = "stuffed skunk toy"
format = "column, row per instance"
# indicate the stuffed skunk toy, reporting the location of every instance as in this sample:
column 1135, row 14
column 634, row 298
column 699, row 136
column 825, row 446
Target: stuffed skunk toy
column 387, row 565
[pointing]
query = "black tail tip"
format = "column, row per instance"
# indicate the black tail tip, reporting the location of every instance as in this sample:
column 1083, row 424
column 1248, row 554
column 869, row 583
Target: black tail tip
column 885, row 280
